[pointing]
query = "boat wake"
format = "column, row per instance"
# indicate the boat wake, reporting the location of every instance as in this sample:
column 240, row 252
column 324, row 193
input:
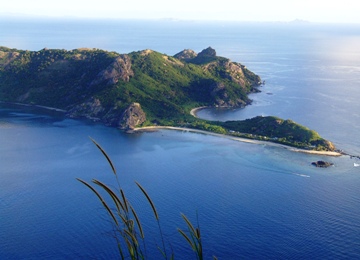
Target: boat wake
column 301, row 175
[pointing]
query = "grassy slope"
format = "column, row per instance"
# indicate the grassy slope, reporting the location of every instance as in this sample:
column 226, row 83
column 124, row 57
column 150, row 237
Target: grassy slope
column 279, row 130
column 56, row 78
column 163, row 85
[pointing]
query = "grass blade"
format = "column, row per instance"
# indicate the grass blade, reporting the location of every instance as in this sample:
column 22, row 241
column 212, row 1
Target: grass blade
column 191, row 227
column 132, row 237
column 124, row 220
column 187, row 239
column 137, row 222
column 198, row 233
column 101, row 199
column 111, row 193
column 149, row 200
column 105, row 154
column 125, row 200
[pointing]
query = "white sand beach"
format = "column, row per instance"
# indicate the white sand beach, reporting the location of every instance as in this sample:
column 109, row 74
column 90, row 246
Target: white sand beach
column 193, row 113
column 196, row 109
column 239, row 139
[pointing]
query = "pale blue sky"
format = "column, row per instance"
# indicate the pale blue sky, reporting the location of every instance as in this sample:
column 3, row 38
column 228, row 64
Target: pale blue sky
column 344, row 11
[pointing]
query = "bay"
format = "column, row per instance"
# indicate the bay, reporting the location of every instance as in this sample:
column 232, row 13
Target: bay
column 252, row 201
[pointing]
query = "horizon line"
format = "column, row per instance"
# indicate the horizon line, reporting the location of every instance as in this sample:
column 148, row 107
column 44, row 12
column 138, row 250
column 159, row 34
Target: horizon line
column 7, row 15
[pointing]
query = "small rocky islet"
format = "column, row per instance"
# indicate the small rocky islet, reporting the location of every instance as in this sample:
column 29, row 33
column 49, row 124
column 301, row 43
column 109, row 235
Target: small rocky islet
column 322, row 164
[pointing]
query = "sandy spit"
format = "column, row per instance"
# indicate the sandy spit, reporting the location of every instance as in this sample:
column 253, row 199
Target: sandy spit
column 196, row 109
column 239, row 139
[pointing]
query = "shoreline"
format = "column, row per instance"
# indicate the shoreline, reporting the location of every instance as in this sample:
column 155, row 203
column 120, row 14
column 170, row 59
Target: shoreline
column 193, row 113
column 239, row 139
column 197, row 109
column 35, row 106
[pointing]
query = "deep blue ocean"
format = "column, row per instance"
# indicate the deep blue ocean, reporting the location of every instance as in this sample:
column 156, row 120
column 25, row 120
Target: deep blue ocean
column 251, row 201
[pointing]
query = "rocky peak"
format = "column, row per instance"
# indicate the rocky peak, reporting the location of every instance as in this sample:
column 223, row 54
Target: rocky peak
column 92, row 108
column 208, row 52
column 205, row 56
column 146, row 52
column 185, row 55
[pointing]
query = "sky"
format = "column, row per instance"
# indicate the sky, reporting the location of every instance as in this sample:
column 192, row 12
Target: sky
column 328, row 11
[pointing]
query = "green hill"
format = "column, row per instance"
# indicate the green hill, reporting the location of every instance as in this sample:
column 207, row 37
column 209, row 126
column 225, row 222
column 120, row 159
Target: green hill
column 136, row 89
column 107, row 83
column 278, row 130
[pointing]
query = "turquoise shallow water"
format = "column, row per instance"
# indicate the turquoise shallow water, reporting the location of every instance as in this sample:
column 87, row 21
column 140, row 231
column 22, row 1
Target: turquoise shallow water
column 252, row 201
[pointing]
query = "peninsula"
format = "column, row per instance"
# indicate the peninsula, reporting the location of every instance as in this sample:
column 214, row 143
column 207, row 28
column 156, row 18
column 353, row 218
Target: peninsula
column 145, row 88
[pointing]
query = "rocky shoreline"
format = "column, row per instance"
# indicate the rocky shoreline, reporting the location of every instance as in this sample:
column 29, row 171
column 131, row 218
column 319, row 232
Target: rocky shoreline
column 322, row 164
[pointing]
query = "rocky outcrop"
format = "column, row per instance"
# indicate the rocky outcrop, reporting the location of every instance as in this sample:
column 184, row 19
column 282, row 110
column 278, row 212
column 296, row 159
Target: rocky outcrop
column 231, row 70
column 220, row 94
column 205, row 56
column 208, row 52
column 322, row 164
column 7, row 57
column 119, row 69
column 126, row 119
column 224, row 67
column 236, row 73
column 91, row 109
column 185, row 55
column 132, row 117
column 329, row 146
column 146, row 52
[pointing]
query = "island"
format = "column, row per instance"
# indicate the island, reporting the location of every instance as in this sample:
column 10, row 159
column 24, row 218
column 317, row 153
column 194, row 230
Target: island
column 146, row 89
column 322, row 164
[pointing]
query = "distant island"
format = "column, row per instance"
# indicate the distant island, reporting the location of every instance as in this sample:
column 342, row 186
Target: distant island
column 145, row 88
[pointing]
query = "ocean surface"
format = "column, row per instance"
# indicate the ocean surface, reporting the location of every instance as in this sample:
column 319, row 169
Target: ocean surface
column 251, row 201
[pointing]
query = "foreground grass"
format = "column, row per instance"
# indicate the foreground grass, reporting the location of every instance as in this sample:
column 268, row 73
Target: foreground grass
column 128, row 230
